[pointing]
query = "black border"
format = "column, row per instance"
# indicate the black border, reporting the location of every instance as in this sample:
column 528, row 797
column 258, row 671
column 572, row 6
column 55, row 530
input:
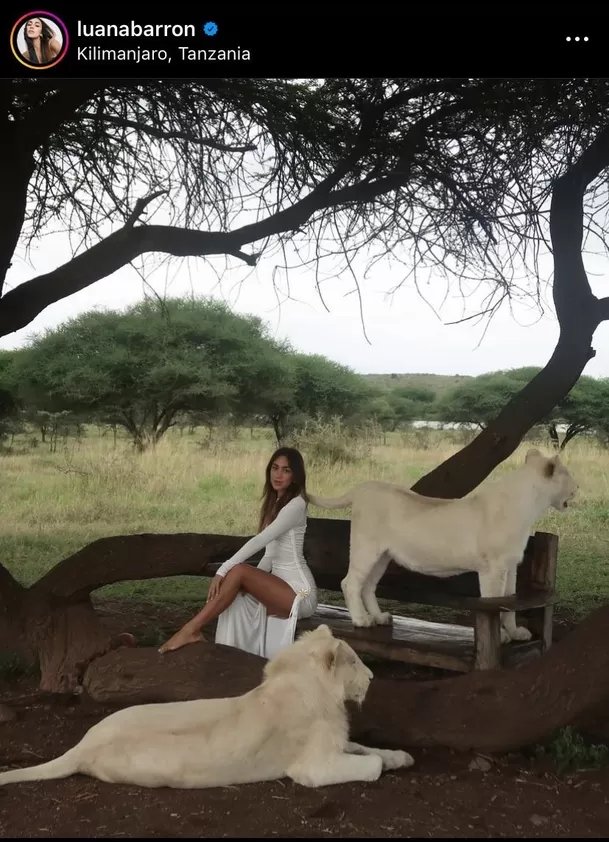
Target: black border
column 440, row 41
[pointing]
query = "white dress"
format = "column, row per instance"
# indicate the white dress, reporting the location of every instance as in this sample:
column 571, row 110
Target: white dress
column 245, row 623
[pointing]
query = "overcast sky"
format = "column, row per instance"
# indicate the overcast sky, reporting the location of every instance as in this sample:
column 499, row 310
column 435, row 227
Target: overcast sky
column 405, row 335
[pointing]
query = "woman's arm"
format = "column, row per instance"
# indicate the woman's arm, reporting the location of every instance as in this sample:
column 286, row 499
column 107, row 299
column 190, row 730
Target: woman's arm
column 289, row 517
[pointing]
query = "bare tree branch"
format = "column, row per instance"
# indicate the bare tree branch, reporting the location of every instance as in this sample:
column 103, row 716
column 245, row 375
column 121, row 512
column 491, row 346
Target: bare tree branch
column 140, row 207
column 23, row 303
column 579, row 311
column 152, row 131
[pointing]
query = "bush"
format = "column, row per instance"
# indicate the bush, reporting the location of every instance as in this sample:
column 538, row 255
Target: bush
column 418, row 438
column 333, row 442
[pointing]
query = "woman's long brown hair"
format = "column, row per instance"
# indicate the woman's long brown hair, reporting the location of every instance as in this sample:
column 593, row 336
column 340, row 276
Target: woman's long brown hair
column 46, row 36
column 271, row 506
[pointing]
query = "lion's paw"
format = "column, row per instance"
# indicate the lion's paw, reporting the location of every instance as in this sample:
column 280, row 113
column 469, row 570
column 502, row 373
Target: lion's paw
column 383, row 618
column 363, row 621
column 397, row 760
column 521, row 633
column 375, row 768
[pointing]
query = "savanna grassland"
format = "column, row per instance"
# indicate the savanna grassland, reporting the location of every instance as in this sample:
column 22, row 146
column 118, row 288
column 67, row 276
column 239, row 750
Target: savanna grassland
column 52, row 504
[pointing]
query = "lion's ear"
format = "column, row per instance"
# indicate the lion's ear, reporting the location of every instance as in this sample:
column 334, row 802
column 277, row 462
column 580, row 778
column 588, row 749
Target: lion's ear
column 549, row 468
column 533, row 456
column 331, row 654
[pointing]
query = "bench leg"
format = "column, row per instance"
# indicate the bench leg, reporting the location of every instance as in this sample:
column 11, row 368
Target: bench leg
column 487, row 640
column 541, row 622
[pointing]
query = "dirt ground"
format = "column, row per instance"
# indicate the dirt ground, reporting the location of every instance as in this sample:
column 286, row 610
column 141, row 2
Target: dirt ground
column 441, row 796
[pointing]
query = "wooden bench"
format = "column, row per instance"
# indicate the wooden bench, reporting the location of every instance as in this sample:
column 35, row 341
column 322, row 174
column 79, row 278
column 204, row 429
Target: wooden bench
column 447, row 646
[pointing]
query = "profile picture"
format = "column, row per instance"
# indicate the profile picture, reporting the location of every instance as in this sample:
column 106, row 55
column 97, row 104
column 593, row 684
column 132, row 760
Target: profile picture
column 39, row 40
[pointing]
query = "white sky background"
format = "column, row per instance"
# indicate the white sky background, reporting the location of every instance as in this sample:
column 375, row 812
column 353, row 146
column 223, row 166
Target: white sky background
column 404, row 332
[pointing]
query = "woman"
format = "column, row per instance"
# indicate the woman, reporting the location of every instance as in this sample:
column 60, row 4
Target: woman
column 42, row 46
column 258, row 607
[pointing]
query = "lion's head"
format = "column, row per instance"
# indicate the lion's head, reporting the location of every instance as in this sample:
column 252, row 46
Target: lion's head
column 560, row 484
column 330, row 659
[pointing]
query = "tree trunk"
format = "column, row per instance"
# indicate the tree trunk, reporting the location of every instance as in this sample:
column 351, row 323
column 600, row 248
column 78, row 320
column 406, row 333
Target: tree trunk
column 61, row 635
column 198, row 671
column 53, row 623
column 553, row 433
column 16, row 168
column 66, row 637
column 572, row 431
column 493, row 711
column 467, row 468
column 500, row 710
column 12, row 626
column 277, row 428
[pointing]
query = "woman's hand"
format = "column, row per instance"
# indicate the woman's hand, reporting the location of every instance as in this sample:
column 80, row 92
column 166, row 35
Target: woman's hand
column 214, row 588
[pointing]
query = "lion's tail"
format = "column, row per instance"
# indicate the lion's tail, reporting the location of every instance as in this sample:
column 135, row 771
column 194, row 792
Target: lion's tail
column 332, row 502
column 60, row 767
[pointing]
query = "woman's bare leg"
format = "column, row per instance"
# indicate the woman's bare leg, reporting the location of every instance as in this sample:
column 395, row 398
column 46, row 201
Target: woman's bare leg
column 275, row 594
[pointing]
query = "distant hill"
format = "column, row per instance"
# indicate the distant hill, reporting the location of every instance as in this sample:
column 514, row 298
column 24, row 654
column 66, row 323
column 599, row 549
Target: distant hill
column 437, row 382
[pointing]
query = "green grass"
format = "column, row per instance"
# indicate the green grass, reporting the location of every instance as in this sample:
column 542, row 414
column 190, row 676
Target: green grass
column 570, row 751
column 53, row 504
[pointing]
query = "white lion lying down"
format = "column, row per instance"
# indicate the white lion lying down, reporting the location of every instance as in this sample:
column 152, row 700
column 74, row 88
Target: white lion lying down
column 293, row 724
column 485, row 532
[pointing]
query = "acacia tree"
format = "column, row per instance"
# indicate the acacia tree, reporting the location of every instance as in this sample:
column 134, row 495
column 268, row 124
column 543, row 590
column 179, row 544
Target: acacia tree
column 393, row 408
column 465, row 176
column 139, row 368
column 480, row 399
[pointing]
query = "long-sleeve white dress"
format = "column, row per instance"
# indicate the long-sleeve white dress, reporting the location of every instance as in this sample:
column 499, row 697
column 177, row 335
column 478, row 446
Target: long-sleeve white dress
column 245, row 623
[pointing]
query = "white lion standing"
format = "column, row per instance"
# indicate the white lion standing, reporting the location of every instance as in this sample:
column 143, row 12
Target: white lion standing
column 485, row 532
column 293, row 724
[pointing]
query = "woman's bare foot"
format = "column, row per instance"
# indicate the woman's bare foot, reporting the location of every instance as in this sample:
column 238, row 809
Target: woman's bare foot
column 181, row 638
